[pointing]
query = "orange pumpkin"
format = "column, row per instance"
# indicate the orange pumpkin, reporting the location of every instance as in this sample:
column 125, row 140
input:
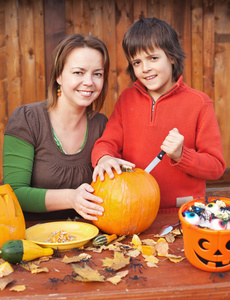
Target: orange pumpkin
column 206, row 249
column 12, row 221
column 131, row 202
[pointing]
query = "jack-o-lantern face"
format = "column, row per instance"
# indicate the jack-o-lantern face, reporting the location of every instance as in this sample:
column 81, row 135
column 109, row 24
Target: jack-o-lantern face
column 211, row 250
column 206, row 249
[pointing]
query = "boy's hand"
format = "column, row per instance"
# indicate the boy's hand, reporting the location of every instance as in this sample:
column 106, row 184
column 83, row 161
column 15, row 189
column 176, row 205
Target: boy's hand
column 173, row 144
column 106, row 164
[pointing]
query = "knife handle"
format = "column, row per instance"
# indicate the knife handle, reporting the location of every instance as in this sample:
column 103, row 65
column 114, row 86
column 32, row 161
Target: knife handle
column 161, row 154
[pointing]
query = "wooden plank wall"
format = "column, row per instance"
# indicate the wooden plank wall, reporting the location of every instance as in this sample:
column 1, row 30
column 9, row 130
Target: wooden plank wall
column 30, row 29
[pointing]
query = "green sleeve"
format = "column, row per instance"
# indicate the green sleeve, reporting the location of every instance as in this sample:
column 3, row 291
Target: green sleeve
column 18, row 157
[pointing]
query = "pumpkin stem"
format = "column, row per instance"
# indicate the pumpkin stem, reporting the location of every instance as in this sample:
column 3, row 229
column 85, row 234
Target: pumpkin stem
column 125, row 168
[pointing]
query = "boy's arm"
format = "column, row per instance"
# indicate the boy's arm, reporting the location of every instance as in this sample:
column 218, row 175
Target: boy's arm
column 18, row 157
column 207, row 161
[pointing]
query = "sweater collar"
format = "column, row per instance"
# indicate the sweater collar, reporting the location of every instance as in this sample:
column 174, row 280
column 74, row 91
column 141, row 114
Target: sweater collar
column 175, row 88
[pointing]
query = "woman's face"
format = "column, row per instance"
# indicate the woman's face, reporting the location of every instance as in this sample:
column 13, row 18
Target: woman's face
column 154, row 71
column 82, row 77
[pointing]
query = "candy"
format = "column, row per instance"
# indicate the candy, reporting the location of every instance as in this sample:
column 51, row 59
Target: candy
column 192, row 218
column 217, row 224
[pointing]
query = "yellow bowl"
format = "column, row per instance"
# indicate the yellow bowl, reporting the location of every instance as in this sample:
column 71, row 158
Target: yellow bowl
column 83, row 232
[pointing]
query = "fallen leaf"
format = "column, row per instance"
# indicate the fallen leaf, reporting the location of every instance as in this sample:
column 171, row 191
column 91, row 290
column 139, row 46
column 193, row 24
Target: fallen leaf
column 87, row 274
column 149, row 242
column 117, row 278
column 170, row 238
column 119, row 261
column 133, row 253
column 4, row 282
column 29, row 266
column 76, row 258
column 174, row 258
column 40, row 270
column 177, row 231
column 152, row 261
column 18, row 288
column 162, row 247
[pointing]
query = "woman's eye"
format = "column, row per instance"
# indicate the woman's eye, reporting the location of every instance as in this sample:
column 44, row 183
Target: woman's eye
column 98, row 74
column 77, row 72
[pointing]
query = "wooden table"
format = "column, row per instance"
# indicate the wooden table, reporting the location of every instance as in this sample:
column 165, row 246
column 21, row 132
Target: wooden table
column 169, row 280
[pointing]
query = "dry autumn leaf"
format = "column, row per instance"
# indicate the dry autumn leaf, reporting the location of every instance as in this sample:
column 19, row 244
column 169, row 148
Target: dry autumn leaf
column 18, row 288
column 119, row 261
column 170, row 238
column 162, row 247
column 152, row 261
column 117, row 278
column 174, row 258
column 40, row 270
column 149, row 242
column 87, row 274
column 4, row 282
column 77, row 258
column 133, row 253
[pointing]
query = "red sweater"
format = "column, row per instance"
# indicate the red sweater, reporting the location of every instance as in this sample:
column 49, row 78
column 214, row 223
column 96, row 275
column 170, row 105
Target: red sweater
column 137, row 128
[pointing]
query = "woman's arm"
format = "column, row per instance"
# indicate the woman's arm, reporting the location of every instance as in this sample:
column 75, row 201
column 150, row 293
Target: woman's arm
column 18, row 157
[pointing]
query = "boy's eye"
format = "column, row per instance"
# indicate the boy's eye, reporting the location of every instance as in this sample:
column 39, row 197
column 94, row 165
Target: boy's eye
column 153, row 58
column 136, row 63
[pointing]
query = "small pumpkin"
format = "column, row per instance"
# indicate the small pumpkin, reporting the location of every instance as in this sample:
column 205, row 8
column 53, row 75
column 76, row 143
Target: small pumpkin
column 131, row 202
column 12, row 221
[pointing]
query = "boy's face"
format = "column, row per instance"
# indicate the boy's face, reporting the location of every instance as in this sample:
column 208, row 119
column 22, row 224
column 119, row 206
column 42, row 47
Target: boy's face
column 154, row 71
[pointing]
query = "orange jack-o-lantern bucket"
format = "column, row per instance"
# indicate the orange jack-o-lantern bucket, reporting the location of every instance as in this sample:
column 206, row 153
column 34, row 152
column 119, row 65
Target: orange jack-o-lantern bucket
column 206, row 249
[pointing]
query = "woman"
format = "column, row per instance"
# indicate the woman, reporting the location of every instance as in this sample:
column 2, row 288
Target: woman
column 47, row 145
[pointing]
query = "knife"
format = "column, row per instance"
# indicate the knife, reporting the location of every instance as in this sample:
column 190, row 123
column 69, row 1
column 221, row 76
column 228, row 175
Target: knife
column 156, row 161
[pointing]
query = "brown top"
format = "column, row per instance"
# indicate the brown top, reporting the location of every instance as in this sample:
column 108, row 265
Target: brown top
column 52, row 169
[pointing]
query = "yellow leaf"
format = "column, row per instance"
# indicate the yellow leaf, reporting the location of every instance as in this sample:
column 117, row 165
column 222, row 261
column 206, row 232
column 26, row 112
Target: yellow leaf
column 149, row 242
column 133, row 253
column 162, row 247
column 4, row 282
column 152, row 259
column 117, row 278
column 87, row 273
column 76, row 258
column 40, row 270
column 18, row 288
column 174, row 258
column 119, row 261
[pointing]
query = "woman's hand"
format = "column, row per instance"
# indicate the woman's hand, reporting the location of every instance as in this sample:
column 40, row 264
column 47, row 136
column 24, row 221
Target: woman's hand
column 173, row 144
column 83, row 200
column 106, row 164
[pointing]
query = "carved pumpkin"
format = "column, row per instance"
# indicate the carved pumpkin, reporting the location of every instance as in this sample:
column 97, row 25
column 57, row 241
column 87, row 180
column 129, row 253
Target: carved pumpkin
column 12, row 221
column 206, row 249
column 131, row 202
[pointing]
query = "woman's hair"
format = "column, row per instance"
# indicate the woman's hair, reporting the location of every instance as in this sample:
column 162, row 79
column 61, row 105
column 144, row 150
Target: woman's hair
column 69, row 43
column 147, row 33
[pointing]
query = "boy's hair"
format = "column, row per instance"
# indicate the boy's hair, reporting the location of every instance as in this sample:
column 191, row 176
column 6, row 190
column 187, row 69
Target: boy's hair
column 69, row 43
column 147, row 33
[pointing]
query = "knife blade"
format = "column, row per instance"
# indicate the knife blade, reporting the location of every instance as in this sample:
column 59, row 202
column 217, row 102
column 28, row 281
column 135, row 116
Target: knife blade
column 156, row 161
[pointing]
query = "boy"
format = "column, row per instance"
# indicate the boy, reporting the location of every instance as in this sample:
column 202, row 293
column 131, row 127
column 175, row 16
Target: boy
column 160, row 112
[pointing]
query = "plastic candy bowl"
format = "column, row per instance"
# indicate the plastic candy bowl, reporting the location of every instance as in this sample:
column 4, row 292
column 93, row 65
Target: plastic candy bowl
column 206, row 249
